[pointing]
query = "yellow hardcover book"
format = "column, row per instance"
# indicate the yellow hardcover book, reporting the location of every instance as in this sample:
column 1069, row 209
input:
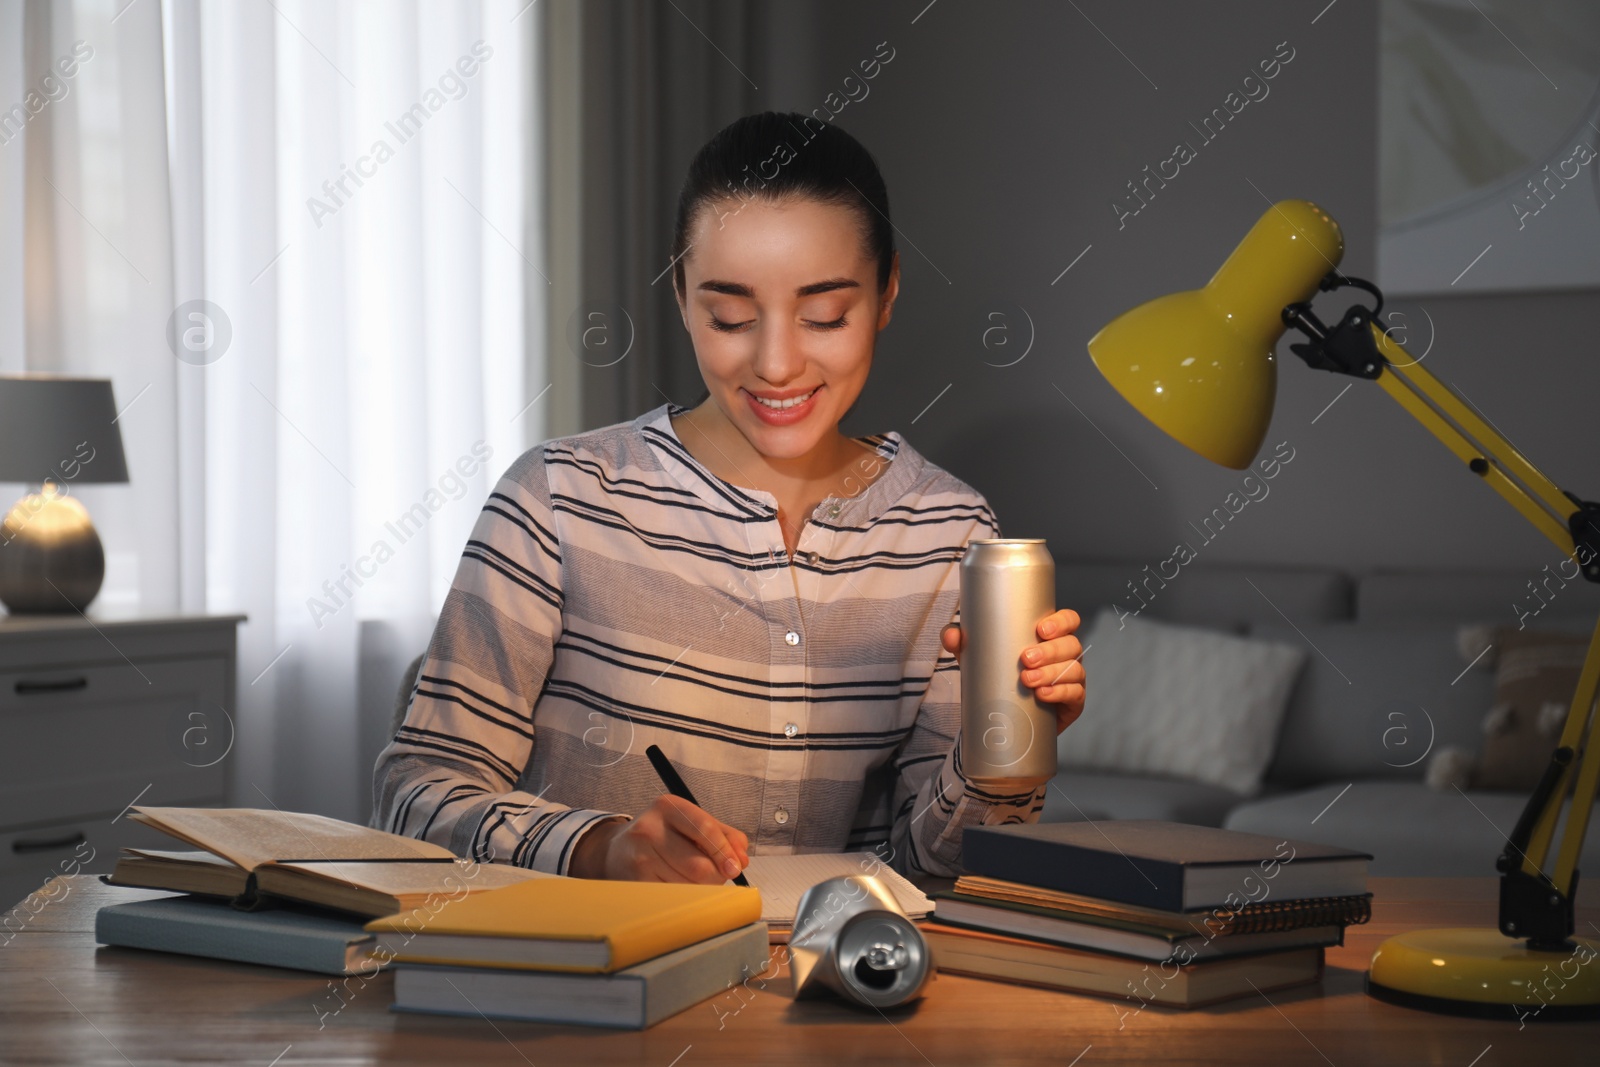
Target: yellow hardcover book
column 566, row 924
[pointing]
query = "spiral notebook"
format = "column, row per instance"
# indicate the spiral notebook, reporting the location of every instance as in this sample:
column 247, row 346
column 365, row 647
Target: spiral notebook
column 783, row 879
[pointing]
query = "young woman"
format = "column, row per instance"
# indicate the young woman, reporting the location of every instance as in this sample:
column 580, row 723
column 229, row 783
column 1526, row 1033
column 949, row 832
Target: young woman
column 771, row 602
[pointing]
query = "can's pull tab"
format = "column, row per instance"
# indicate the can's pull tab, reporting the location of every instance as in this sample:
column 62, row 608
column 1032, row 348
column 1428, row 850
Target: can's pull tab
column 882, row 957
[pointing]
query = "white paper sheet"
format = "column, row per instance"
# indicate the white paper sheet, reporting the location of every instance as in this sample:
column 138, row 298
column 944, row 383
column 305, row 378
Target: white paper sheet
column 784, row 879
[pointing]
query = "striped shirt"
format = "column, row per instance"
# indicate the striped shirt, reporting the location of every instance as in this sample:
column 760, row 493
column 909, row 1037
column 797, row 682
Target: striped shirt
column 616, row 594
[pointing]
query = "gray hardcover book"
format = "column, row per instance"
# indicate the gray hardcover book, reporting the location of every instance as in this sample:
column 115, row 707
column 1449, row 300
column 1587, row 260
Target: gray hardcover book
column 634, row 998
column 298, row 938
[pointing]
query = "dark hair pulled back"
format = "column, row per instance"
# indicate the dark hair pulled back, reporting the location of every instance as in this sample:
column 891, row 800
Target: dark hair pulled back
column 775, row 155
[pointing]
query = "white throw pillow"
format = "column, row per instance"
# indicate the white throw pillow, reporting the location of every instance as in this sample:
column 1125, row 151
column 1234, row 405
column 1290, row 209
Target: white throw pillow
column 1181, row 701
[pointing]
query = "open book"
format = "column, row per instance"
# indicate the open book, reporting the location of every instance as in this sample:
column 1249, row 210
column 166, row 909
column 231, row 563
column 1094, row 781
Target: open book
column 309, row 858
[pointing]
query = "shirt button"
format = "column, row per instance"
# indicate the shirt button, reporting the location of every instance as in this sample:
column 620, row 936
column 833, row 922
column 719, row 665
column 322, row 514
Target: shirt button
column 790, row 729
column 780, row 816
column 792, row 637
column 833, row 511
column 813, row 558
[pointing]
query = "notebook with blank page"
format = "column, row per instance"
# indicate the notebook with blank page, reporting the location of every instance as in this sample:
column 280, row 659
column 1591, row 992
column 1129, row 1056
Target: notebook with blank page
column 783, row 879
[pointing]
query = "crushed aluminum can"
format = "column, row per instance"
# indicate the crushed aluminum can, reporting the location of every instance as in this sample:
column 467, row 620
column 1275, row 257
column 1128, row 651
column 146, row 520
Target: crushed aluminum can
column 851, row 939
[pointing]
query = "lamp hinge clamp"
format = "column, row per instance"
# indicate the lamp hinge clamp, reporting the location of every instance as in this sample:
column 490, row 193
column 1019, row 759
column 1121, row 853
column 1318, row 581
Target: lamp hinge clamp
column 1347, row 348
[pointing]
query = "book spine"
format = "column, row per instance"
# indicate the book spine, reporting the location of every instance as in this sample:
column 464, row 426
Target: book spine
column 1143, row 883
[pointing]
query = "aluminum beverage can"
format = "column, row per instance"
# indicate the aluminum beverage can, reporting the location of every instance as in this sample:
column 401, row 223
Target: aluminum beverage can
column 851, row 939
column 1008, row 735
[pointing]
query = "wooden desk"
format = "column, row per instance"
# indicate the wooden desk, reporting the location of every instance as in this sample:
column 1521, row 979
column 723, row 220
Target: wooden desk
column 65, row 1001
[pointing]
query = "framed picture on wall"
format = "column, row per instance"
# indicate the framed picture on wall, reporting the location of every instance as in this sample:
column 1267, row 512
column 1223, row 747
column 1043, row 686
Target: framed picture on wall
column 1488, row 145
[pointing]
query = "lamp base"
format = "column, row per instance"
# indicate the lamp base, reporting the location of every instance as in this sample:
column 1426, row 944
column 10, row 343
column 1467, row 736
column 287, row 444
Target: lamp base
column 51, row 560
column 1481, row 972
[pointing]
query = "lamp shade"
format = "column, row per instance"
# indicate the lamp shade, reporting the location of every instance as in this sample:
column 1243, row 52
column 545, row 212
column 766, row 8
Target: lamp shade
column 1200, row 364
column 60, row 429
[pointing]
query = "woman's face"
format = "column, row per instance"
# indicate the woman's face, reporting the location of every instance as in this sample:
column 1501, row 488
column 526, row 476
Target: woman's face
column 781, row 301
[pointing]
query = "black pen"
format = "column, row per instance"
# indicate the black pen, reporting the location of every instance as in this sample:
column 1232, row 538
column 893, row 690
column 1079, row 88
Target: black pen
column 677, row 787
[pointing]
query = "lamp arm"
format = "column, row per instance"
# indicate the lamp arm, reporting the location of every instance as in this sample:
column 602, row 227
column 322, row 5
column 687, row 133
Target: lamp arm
column 1534, row 904
column 1536, row 900
column 1359, row 347
column 1486, row 453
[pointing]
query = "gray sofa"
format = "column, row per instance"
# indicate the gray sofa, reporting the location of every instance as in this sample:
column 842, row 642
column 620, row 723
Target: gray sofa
column 1384, row 686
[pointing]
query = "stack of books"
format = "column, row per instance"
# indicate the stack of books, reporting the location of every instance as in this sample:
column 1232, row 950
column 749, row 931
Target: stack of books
column 282, row 889
column 306, row 892
column 573, row 950
column 1155, row 912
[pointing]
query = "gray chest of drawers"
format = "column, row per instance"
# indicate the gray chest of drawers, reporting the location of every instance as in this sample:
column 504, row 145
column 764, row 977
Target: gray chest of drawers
column 96, row 714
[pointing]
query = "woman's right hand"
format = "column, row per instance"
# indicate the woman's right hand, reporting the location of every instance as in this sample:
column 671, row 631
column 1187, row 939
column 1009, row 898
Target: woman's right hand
column 671, row 841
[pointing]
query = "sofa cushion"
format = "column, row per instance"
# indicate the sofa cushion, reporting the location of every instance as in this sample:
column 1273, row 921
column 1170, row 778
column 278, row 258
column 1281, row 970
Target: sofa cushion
column 1077, row 796
column 1410, row 830
column 1535, row 679
column 1500, row 597
column 1374, row 700
column 1180, row 701
column 1215, row 596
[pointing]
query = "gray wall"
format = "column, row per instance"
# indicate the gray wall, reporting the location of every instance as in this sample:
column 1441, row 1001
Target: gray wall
column 1006, row 131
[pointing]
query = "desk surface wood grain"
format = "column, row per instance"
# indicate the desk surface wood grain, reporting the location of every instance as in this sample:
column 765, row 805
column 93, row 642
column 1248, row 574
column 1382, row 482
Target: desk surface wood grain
column 64, row 1000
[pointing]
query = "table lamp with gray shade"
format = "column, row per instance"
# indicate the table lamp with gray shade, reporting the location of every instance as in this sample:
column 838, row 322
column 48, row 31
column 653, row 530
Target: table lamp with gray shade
column 55, row 433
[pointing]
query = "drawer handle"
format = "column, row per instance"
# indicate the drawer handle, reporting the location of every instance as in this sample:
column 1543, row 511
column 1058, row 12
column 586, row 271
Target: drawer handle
column 20, row 846
column 59, row 685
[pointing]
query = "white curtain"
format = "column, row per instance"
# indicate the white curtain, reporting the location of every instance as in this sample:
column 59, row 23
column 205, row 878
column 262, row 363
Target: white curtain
column 351, row 189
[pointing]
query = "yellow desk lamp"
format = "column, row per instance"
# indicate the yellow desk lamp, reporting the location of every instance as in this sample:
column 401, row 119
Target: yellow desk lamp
column 1200, row 365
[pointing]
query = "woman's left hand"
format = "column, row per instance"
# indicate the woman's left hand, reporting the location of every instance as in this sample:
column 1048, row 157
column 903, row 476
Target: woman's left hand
column 1051, row 668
